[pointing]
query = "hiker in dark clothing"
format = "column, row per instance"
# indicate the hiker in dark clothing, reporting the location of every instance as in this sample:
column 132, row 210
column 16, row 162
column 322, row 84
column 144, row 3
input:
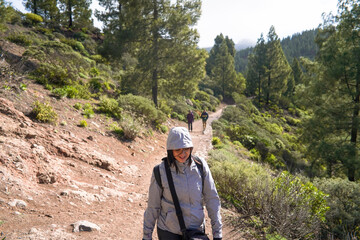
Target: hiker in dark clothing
column 194, row 187
column 204, row 116
column 190, row 120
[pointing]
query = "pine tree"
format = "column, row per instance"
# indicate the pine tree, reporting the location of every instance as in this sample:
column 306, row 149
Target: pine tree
column 159, row 34
column 223, row 71
column 256, row 69
column 296, row 71
column 47, row 9
column 277, row 68
column 33, row 5
column 76, row 12
column 210, row 62
column 333, row 130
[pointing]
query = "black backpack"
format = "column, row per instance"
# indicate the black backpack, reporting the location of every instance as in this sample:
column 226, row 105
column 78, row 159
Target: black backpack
column 197, row 161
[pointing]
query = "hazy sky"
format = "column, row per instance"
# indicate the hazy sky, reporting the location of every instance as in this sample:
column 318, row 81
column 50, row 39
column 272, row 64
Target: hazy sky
column 245, row 20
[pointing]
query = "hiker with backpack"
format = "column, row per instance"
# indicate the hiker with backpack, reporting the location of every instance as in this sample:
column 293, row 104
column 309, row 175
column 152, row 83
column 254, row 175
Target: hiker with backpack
column 180, row 187
column 204, row 116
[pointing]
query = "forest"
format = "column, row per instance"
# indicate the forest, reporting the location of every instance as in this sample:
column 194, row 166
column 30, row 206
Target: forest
column 285, row 151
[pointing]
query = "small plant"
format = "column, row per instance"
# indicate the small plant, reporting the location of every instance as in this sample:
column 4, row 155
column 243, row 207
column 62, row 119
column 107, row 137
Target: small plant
column 88, row 111
column 78, row 106
column 114, row 127
column 215, row 141
column 23, row 86
column 6, row 87
column 163, row 128
column 83, row 123
column 44, row 112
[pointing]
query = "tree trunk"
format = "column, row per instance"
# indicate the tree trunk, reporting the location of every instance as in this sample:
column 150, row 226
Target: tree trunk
column 259, row 88
column 70, row 13
column 155, row 56
column 268, row 90
column 354, row 125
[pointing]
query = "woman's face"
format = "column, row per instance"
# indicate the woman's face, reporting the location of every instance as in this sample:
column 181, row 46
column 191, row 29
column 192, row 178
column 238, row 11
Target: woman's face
column 182, row 154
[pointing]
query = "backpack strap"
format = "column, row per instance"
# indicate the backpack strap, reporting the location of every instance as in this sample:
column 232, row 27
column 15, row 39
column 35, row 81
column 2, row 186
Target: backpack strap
column 200, row 166
column 157, row 175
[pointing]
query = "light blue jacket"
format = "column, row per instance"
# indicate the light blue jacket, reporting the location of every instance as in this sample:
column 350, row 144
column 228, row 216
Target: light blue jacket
column 188, row 186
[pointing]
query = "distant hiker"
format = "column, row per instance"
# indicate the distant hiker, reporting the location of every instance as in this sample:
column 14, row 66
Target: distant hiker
column 204, row 116
column 190, row 119
column 181, row 183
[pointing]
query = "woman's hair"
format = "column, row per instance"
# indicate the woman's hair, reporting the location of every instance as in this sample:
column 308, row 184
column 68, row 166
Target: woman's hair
column 171, row 159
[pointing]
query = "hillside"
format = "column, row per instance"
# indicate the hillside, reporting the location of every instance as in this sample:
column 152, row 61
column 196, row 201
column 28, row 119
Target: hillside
column 53, row 176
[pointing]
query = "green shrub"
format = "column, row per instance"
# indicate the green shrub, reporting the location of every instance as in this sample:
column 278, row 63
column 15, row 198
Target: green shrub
column 20, row 39
column 54, row 74
column 83, row 123
column 72, row 91
column 164, row 107
column 33, row 18
column 94, row 72
column 98, row 58
column 285, row 203
column 114, row 127
column 163, row 128
column 110, row 107
column 44, row 112
column 343, row 218
column 181, row 108
column 88, row 111
column 80, row 36
column 76, row 45
column 215, row 141
column 78, row 106
column 202, row 96
column 143, row 108
column 131, row 127
column 23, row 86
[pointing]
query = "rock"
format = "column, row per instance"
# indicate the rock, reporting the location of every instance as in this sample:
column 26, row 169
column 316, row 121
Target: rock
column 84, row 226
column 18, row 203
column 46, row 178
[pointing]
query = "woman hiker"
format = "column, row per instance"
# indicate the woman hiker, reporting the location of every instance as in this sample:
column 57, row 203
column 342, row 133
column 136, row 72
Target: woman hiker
column 193, row 185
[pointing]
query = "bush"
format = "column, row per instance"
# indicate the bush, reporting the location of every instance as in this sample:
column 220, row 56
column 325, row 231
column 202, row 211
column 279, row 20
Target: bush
column 88, row 111
column 343, row 218
column 72, row 91
column 284, row 203
column 202, row 96
column 78, row 106
column 215, row 141
column 131, row 127
column 181, row 108
column 54, row 74
column 20, row 39
column 44, row 112
column 142, row 107
column 32, row 19
column 83, row 123
column 110, row 107
column 163, row 128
